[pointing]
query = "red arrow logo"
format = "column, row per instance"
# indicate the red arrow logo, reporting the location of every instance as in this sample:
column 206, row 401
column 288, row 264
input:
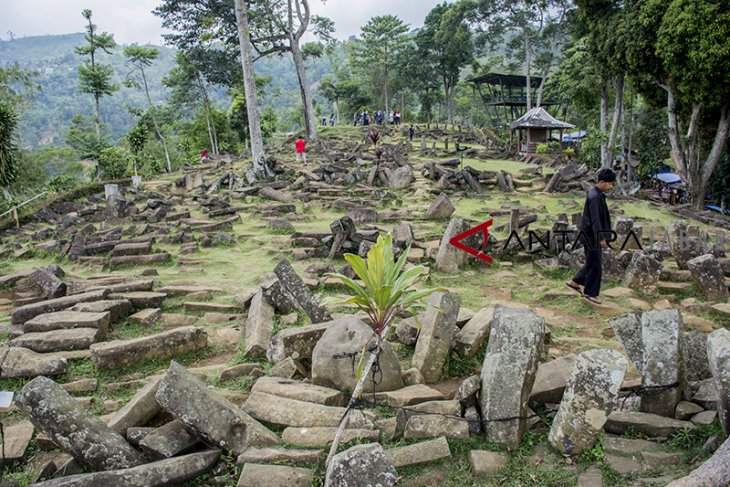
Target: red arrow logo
column 479, row 254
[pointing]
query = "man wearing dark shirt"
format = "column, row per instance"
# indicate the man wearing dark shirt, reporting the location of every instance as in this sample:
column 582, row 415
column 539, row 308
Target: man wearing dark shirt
column 595, row 235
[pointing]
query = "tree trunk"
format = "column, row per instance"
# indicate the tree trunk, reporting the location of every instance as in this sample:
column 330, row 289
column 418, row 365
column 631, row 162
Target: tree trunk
column 713, row 158
column 674, row 134
column 385, row 85
column 208, row 118
column 97, row 120
column 527, row 67
column 154, row 122
column 542, row 86
column 449, row 92
column 309, row 121
column 603, row 127
column 260, row 168
column 617, row 110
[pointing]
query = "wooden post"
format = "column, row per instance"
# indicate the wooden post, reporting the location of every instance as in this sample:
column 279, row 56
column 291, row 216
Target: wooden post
column 15, row 215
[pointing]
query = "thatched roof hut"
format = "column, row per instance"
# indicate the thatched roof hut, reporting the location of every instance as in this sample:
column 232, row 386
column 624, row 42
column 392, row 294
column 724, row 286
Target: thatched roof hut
column 538, row 125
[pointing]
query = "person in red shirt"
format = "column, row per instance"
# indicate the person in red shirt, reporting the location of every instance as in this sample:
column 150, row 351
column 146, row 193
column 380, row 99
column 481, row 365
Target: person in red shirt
column 301, row 148
column 203, row 154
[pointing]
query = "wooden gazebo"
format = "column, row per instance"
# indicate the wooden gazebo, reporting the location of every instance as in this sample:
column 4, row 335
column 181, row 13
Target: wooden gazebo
column 538, row 126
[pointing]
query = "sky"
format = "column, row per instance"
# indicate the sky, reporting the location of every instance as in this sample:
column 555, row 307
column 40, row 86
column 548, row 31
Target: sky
column 131, row 21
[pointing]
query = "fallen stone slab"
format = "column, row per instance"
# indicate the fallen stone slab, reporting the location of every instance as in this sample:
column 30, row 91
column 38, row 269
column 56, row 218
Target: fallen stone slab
column 707, row 273
column 209, row 414
column 123, row 353
column 138, row 411
column 409, row 396
column 551, row 379
column 589, row 398
column 435, row 425
column 17, row 362
column 486, row 462
column 168, row 440
column 718, row 353
column 418, row 453
column 290, row 412
column 661, row 333
column 75, row 429
column 508, row 372
column 172, row 471
column 627, row 330
column 652, row 425
column 240, row 370
column 321, row 436
column 48, row 283
column 301, row 293
column 300, row 391
column 642, row 272
column 211, row 307
column 259, row 327
column 616, row 444
column 274, row 455
column 29, row 311
column 57, row 340
column 140, row 248
column 472, row 335
column 437, row 330
column 714, row 471
column 449, row 258
column 297, row 343
column 441, row 207
column 16, row 439
column 359, row 466
column 256, row 475
column 180, row 290
column 68, row 319
column 123, row 260
column 288, row 369
column 126, row 286
column 141, row 299
column 147, row 317
column 81, row 385
column 118, row 309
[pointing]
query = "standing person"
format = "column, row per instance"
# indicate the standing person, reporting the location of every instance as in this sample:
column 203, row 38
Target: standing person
column 354, row 119
column 203, row 154
column 332, row 119
column 397, row 117
column 300, row 146
column 596, row 233
column 411, row 131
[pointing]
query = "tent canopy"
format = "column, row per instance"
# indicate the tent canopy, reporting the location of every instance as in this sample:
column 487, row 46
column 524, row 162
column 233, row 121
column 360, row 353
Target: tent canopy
column 668, row 178
column 573, row 136
column 539, row 118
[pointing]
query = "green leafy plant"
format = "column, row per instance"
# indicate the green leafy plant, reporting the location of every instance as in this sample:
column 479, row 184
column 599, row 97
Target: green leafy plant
column 542, row 149
column 554, row 146
column 386, row 290
column 569, row 152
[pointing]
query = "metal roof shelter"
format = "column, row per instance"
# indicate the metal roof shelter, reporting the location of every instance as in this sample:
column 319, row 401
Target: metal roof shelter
column 505, row 95
column 538, row 125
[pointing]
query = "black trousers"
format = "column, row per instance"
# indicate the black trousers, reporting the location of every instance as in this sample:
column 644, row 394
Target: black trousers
column 589, row 275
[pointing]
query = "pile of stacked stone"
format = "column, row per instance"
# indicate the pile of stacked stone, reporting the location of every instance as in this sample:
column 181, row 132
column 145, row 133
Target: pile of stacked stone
column 570, row 177
column 55, row 320
column 451, row 176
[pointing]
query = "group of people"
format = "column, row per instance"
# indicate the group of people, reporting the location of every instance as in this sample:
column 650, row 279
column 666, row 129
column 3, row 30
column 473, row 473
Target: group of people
column 332, row 120
column 378, row 117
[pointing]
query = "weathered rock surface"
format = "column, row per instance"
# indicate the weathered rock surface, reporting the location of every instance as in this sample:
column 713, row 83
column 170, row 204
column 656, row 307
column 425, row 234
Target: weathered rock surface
column 291, row 412
column 16, row 439
column 297, row 343
column 361, row 466
column 642, row 272
column 715, row 471
column 57, row 340
column 209, row 414
column 472, row 335
column 117, row 308
column 435, row 425
column 141, row 299
column 409, row 396
column 652, row 425
column 423, row 452
column 272, row 455
column 340, row 347
column 138, row 411
column 51, row 285
column 172, row 471
column 123, row 353
column 437, row 330
column 508, row 372
column 589, row 398
column 718, row 353
column 148, row 259
column 551, row 379
column 256, row 475
column 301, row 391
column 486, row 462
column 259, row 326
column 168, row 440
column 320, row 436
column 25, row 313
column 440, row 208
column 627, row 329
column 450, row 258
column 73, row 428
column 67, row 319
column 707, row 273
column 296, row 287
column 661, row 333
column 21, row 362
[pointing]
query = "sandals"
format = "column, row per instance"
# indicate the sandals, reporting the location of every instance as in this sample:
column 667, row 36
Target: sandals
column 591, row 299
column 575, row 288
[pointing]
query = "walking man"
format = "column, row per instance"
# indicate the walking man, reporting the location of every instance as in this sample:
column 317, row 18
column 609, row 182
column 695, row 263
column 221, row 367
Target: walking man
column 300, row 146
column 595, row 233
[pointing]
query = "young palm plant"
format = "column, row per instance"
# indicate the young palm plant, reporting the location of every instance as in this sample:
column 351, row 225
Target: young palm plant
column 386, row 290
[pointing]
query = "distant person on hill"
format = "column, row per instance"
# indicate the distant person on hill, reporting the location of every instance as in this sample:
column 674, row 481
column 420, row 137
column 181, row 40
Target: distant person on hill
column 203, row 154
column 411, row 131
column 300, row 146
column 595, row 233
column 332, row 119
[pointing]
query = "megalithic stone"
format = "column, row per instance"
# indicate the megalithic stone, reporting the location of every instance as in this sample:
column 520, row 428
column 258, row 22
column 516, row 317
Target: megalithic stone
column 296, row 287
column 51, row 285
column 75, row 429
column 172, row 471
column 718, row 353
column 209, row 414
column 508, row 373
column 627, row 329
column 588, row 400
column 259, row 326
column 437, row 330
column 661, row 333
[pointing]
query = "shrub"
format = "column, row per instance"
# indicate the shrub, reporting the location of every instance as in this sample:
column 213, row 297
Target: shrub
column 542, row 148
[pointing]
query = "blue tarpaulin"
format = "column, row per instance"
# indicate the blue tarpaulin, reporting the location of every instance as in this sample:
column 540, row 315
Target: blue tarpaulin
column 668, row 178
column 573, row 136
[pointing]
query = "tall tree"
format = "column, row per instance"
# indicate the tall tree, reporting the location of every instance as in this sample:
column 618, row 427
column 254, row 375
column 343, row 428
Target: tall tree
column 260, row 167
column 141, row 57
column 96, row 78
column 682, row 48
column 188, row 90
column 383, row 38
column 446, row 43
column 8, row 160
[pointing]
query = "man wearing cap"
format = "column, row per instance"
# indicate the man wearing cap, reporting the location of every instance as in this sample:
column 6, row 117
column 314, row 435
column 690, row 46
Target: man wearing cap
column 595, row 234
